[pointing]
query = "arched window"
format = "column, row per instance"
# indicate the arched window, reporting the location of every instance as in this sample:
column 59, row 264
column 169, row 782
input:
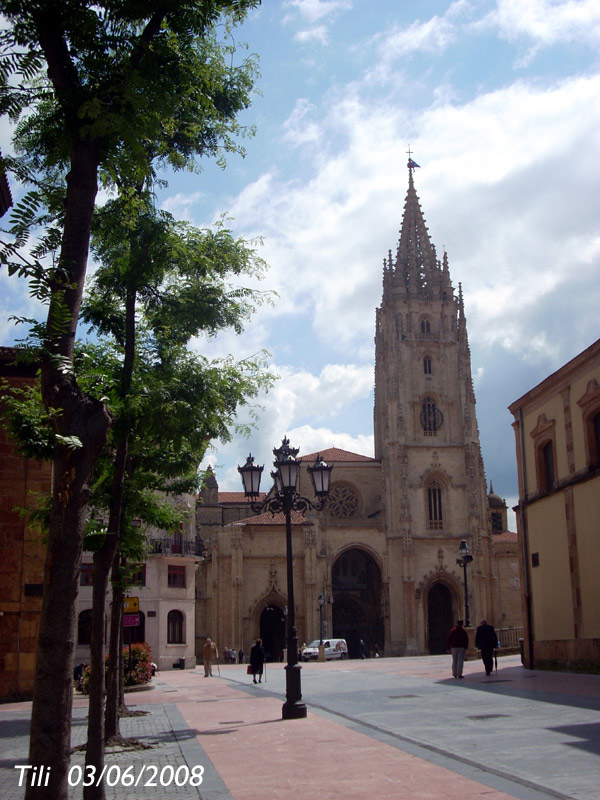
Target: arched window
column 427, row 365
column 175, row 629
column 425, row 326
column 435, row 514
column 84, row 627
column 431, row 417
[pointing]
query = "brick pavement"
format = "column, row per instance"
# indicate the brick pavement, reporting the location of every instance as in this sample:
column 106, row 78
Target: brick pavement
column 236, row 733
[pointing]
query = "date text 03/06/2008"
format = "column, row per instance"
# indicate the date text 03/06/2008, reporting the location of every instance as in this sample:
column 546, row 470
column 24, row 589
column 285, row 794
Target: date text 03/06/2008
column 114, row 775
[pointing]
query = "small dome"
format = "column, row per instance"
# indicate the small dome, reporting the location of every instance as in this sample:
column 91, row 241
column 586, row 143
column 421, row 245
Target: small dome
column 494, row 499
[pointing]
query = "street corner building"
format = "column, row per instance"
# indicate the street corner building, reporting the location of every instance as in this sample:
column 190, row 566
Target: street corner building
column 557, row 428
column 383, row 552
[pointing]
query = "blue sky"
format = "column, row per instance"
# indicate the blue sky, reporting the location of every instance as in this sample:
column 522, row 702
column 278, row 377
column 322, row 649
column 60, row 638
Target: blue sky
column 500, row 104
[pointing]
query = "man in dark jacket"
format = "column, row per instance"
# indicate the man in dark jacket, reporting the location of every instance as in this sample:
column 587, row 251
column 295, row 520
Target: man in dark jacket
column 457, row 643
column 486, row 640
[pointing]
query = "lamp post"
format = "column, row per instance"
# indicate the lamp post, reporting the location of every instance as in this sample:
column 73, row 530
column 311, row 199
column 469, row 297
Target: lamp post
column 283, row 499
column 322, row 601
column 464, row 561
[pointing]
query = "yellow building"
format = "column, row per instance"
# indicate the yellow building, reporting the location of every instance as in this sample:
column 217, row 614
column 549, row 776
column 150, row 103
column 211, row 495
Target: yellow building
column 557, row 427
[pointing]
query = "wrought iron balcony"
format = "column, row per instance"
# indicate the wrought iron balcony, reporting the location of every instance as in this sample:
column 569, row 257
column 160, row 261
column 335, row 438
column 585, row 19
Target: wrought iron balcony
column 177, row 547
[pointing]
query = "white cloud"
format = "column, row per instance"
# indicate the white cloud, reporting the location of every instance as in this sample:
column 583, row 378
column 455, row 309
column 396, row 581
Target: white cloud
column 548, row 21
column 313, row 10
column 316, row 34
column 180, row 204
column 431, row 36
column 507, row 186
column 297, row 128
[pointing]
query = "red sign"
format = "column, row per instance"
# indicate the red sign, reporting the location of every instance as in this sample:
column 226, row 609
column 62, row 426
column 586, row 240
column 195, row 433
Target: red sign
column 131, row 620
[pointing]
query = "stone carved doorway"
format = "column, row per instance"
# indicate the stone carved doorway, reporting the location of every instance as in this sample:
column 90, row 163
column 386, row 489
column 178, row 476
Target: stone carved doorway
column 439, row 617
column 272, row 631
column 356, row 585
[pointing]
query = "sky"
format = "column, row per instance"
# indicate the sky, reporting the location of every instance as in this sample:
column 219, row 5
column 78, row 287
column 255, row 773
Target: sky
column 499, row 103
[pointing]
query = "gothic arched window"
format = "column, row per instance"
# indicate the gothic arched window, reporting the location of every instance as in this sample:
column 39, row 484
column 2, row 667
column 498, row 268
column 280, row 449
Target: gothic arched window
column 427, row 365
column 175, row 629
column 435, row 515
column 425, row 326
column 431, row 417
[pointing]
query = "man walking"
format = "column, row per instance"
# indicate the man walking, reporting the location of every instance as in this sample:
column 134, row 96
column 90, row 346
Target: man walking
column 209, row 653
column 486, row 641
column 457, row 643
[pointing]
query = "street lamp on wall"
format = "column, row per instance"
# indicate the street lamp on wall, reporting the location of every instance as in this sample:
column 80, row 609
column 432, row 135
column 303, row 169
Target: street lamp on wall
column 284, row 499
column 465, row 559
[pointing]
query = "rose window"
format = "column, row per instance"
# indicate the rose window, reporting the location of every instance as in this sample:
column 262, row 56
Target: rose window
column 343, row 501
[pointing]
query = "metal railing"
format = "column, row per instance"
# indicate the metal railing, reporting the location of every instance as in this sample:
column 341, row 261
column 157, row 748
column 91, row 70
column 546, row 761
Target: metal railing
column 170, row 547
column 509, row 638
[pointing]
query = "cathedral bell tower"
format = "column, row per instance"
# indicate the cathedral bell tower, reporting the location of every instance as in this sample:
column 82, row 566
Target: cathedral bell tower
column 426, row 437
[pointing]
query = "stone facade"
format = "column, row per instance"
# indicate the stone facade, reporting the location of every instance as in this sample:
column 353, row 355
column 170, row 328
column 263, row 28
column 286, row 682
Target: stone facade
column 22, row 553
column 384, row 550
column 557, row 428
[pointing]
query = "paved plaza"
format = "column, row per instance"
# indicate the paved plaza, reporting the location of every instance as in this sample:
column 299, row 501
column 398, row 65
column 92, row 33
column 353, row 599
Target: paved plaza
column 385, row 728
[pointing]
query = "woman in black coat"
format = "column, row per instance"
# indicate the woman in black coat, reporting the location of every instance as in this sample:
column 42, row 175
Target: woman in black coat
column 257, row 659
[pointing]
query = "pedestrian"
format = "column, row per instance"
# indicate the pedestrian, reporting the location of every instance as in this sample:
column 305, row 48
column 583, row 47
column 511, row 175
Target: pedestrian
column 209, row 653
column 376, row 650
column 240, row 656
column 257, row 659
column 457, row 643
column 486, row 640
column 363, row 649
column 78, row 675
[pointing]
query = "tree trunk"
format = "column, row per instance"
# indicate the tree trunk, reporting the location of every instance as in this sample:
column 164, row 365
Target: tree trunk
column 89, row 420
column 103, row 560
column 115, row 649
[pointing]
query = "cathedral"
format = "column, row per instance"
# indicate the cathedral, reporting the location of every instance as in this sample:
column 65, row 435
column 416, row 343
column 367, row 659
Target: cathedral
column 379, row 562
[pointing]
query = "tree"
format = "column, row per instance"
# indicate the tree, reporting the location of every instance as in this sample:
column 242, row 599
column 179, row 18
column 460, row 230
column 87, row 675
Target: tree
column 170, row 280
column 94, row 85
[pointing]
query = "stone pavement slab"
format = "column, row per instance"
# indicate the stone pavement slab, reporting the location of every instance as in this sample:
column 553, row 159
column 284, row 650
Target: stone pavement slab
column 390, row 728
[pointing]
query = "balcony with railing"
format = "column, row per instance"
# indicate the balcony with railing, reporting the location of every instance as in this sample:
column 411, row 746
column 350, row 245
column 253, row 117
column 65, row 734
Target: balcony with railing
column 175, row 546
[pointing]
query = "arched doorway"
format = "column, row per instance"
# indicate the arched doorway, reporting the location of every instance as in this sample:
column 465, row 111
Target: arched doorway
column 272, row 632
column 356, row 584
column 439, row 617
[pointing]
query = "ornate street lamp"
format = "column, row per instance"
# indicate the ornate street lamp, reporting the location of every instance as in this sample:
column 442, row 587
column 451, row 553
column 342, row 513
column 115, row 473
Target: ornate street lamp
column 284, row 499
column 464, row 561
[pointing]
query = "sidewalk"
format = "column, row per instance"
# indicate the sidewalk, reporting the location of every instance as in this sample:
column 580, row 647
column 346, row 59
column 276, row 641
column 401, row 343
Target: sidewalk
column 235, row 732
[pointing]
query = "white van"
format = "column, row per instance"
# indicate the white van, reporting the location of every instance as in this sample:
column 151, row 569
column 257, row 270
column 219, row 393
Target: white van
column 334, row 648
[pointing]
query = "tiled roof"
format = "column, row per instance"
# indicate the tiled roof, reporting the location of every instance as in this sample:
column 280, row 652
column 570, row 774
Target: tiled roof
column 333, row 454
column 237, row 497
column 505, row 536
column 278, row 519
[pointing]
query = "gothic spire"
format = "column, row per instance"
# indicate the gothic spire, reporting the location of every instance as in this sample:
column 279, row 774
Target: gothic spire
column 416, row 268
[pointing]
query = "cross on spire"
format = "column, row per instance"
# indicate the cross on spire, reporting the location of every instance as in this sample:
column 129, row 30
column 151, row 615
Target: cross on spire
column 411, row 164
